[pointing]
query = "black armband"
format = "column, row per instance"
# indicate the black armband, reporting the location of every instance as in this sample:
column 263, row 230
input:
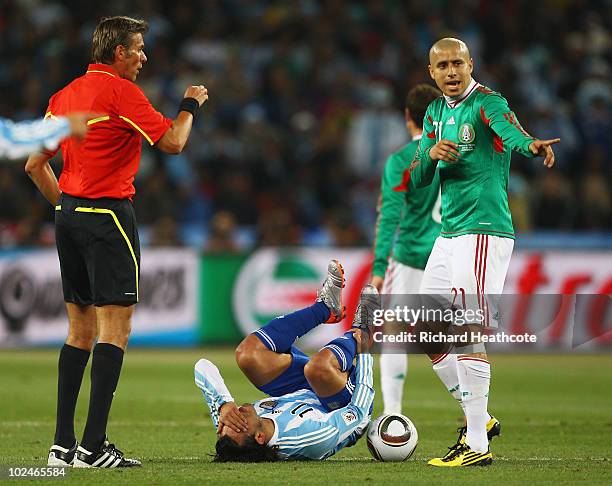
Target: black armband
column 189, row 105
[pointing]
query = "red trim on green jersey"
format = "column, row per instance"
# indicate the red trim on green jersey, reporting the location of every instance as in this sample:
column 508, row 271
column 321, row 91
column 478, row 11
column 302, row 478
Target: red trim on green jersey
column 454, row 103
column 511, row 117
column 484, row 90
column 403, row 186
column 498, row 143
column 484, row 116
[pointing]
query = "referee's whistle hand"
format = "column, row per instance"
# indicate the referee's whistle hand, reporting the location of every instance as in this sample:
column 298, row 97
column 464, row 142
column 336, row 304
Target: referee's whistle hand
column 199, row 93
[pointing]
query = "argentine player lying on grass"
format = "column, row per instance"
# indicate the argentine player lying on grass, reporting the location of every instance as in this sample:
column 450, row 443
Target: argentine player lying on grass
column 316, row 405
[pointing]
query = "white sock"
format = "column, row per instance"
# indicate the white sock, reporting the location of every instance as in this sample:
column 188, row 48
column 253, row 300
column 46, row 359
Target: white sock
column 446, row 369
column 474, row 380
column 393, row 368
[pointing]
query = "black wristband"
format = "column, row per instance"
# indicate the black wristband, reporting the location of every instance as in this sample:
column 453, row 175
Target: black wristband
column 189, row 105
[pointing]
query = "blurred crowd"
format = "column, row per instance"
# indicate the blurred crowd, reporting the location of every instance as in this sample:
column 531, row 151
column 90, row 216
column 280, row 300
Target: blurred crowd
column 306, row 102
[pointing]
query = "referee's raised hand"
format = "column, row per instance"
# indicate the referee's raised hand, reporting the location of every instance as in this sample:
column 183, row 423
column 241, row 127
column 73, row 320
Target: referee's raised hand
column 199, row 93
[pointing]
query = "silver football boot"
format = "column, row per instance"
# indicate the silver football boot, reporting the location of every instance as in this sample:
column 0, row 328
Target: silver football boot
column 331, row 292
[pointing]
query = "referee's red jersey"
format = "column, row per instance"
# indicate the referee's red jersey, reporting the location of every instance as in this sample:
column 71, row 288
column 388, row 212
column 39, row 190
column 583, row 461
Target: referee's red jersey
column 106, row 162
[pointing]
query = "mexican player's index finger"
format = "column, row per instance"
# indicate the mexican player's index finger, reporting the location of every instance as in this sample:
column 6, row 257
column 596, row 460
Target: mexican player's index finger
column 549, row 161
column 551, row 142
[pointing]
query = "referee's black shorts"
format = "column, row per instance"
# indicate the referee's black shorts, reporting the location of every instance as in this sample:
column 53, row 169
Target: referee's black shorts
column 99, row 251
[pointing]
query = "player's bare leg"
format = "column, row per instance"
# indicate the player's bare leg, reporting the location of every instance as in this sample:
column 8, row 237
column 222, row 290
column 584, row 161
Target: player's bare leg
column 324, row 373
column 83, row 326
column 329, row 371
column 258, row 363
column 115, row 324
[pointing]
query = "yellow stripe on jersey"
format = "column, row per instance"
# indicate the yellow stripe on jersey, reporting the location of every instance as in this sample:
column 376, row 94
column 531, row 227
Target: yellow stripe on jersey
column 97, row 120
column 103, row 72
column 137, row 128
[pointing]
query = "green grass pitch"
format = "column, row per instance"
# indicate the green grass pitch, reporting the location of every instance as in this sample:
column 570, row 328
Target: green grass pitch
column 556, row 414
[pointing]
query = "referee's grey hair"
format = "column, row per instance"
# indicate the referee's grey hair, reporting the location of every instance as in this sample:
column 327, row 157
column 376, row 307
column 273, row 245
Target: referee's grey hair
column 112, row 32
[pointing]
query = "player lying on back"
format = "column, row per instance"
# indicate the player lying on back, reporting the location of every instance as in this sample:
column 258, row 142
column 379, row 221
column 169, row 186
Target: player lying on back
column 317, row 405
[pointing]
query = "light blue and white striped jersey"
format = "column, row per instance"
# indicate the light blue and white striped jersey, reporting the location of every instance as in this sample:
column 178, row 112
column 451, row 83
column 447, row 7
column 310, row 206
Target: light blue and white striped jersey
column 209, row 380
column 23, row 138
column 304, row 429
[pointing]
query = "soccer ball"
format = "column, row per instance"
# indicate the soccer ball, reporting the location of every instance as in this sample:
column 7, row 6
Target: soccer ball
column 392, row 437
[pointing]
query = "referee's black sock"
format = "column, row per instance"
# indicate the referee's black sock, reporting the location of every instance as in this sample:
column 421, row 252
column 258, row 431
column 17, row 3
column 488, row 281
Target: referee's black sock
column 71, row 366
column 105, row 370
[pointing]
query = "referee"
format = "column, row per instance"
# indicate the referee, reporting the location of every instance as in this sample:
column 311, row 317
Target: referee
column 96, row 234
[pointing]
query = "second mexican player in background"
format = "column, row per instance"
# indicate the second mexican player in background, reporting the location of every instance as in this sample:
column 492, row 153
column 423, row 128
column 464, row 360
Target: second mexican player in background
column 407, row 225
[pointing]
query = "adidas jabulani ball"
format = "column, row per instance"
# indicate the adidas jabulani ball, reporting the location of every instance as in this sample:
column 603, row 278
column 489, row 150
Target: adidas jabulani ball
column 392, row 437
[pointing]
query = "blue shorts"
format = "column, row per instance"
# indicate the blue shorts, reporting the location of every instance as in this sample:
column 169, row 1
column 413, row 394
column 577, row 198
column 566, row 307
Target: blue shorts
column 293, row 379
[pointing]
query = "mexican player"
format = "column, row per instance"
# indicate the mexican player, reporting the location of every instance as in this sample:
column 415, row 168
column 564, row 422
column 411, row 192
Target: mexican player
column 469, row 134
column 414, row 214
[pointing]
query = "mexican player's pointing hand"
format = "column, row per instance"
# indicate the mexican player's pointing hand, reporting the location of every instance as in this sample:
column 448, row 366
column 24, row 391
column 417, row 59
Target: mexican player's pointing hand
column 444, row 150
column 199, row 93
column 542, row 148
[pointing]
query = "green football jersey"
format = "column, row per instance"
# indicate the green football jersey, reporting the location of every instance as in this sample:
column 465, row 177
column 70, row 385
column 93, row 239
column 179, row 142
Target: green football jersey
column 474, row 189
column 416, row 211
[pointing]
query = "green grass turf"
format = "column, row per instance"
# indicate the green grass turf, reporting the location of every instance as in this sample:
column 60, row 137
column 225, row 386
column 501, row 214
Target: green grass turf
column 555, row 412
